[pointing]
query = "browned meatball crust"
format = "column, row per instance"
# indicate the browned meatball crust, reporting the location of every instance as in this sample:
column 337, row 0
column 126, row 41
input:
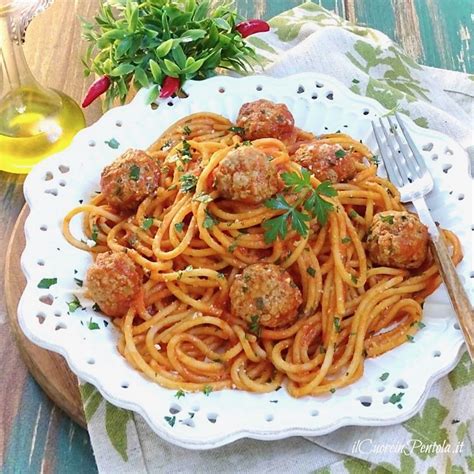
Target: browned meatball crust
column 326, row 161
column 266, row 294
column 130, row 179
column 265, row 119
column 397, row 239
column 113, row 281
column 246, row 174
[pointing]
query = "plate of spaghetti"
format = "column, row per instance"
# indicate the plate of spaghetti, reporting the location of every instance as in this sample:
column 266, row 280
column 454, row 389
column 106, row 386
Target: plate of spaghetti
column 260, row 276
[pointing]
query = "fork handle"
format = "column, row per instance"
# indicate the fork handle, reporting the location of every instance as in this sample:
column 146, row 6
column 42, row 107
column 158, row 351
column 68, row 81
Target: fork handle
column 459, row 299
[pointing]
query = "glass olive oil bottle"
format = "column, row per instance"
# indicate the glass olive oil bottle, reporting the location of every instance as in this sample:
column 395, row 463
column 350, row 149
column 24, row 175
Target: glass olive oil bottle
column 35, row 122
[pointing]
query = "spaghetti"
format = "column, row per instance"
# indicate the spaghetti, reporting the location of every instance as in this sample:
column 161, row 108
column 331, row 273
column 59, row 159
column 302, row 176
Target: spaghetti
column 180, row 331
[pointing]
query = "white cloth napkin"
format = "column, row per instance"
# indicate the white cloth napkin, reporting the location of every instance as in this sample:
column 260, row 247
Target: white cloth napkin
column 309, row 38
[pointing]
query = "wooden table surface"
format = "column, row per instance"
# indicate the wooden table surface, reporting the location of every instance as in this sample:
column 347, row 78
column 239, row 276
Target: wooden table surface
column 35, row 436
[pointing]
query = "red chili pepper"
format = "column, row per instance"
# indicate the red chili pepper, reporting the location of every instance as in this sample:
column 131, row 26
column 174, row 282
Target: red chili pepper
column 169, row 87
column 250, row 27
column 97, row 88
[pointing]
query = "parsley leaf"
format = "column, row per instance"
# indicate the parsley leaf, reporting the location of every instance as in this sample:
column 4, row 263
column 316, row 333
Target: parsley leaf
column 171, row 420
column 179, row 226
column 340, row 153
column 95, row 233
column 311, row 271
column 92, row 325
column 186, row 130
column 396, row 398
column 134, row 174
column 147, row 223
column 209, row 220
column 79, row 282
column 254, row 325
column 207, row 390
column 410, row 338
column 337, row 324
column 74, row 304
column 332, row 390
column 346, row 240
column 180, row 393
column 237, row 130
column 420, row 324
column 188, row 182
column 374, row 159
column 113, row 143
column 388, row 219
column 46, row 283
column 384, row 376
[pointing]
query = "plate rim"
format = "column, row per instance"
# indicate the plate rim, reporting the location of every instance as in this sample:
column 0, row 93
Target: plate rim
column 228, row 437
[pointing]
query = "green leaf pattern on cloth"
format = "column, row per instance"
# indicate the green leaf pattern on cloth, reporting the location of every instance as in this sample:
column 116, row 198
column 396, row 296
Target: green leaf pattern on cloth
column 370, row 64
column 116, row 419
column 427, row 426
column 463, row 374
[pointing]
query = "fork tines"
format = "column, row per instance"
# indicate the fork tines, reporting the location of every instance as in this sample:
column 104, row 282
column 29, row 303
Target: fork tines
column 401, row 158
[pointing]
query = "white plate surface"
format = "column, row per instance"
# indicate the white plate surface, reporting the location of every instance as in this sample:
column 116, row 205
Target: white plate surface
column 319, row 104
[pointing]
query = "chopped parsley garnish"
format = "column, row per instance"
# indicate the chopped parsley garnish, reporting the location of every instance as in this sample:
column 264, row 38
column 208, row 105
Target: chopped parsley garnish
column 95, row 307
column 355, row 81
column 396, row 398
column 188, row 182
column 322, row 350
column 106, row 323
column 203, row 197
column 134, row 174
column 95, row 233
column 254, row 325
column 246, row 143
column 171, row 420
column 354, row 279
column 337, row 324
column 273, row 401
column 353, row 214
column 311, row 271
column 238, row 130
column 374, row 159
column 209, row 220
column 180, row 393
column 186, row 130
column 311, row 200
column 388, row 219
column 420, row 324
column 113, row 143
column 346, row 240
column 340, row 153
column 92, row 325
column 384, row 376
column 410, row 338
column 47, row 283
column 179, row 226
column 332, row 390
column 74, row 304
column 185, row 152
column 147, row 223
column 207, row 390
column 231, row 248
column 79, row 282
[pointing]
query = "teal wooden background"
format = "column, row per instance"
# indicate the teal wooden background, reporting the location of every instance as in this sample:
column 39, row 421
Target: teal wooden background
column 35, row 436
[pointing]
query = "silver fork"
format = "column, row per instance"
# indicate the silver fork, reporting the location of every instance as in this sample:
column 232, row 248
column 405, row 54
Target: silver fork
column 407, row 170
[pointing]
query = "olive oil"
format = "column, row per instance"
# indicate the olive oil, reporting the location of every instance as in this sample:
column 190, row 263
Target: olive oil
column 35, row 123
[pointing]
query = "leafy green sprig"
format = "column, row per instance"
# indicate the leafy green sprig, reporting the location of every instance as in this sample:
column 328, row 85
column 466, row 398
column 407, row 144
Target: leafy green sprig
column 140, row 42
column 308, row 206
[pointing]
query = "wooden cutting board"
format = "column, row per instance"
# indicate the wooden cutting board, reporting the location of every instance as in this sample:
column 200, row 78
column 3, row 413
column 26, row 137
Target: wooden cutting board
column 49, row 369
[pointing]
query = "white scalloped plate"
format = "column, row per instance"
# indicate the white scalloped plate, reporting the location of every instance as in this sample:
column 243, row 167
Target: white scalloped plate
column 319, row 103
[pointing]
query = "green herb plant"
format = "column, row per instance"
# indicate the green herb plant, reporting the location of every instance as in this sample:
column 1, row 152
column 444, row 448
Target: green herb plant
column 140, row 42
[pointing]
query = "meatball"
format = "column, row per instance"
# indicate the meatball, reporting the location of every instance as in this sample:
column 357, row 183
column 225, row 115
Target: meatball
column 113, row 282
column 397, row 239
column 326, row 161
column 130, row 179
column 246, row 174
column 265, row 294
column 265, row 119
